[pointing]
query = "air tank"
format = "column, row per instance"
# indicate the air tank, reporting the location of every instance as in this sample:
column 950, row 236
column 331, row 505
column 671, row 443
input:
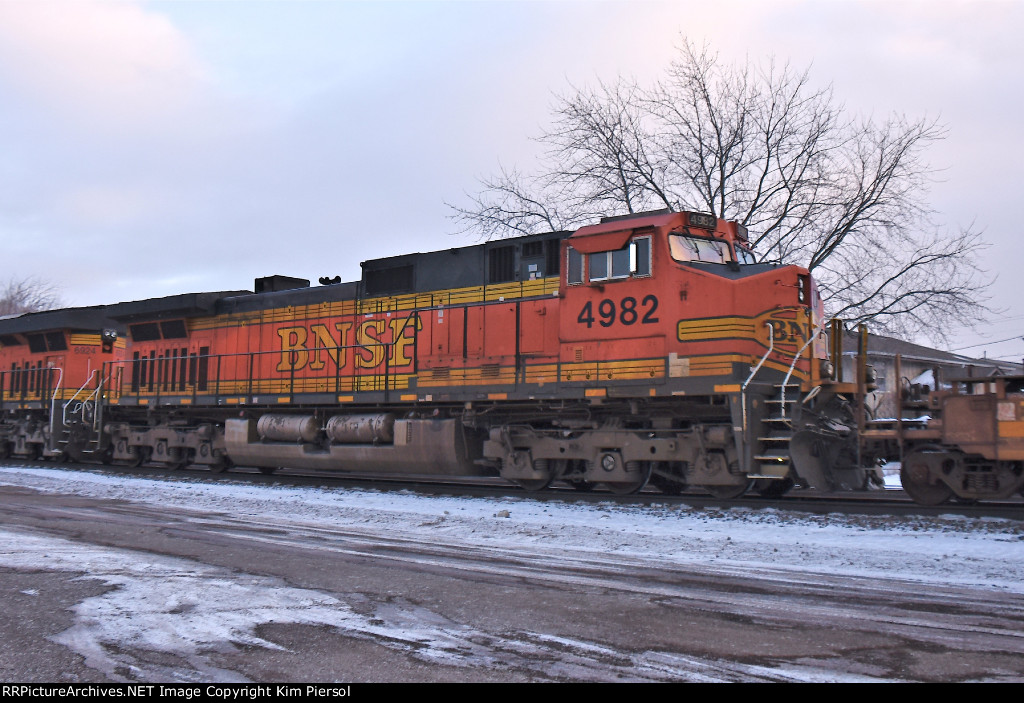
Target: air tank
column 288, row 428
column 362, row 429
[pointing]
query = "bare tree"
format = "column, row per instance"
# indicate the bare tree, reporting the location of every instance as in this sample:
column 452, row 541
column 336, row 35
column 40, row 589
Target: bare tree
column 30, row 294
column 844, row 197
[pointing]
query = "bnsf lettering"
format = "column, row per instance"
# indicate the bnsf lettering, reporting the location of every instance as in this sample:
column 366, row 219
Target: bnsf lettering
column 372, row 341
column 371, row 348
column 626, row 312
column 787, row 330
column 324, row 342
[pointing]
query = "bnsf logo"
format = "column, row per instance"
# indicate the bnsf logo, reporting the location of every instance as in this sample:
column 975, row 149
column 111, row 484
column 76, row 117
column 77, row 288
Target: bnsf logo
column 786, row 327
column 787, row 331
column 371, row 341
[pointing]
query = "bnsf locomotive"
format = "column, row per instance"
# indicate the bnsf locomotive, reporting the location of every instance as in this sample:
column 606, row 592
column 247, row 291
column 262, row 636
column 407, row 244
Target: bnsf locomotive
column 644, row 349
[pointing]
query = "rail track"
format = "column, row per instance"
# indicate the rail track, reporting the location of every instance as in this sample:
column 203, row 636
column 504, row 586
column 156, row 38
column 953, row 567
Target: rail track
column 880, row 502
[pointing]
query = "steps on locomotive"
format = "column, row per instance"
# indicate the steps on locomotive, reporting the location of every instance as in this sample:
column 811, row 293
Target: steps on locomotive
column 90, row 446
column 773, row 455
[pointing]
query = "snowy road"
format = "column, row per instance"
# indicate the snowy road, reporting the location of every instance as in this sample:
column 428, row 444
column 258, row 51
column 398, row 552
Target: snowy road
column 155, row 580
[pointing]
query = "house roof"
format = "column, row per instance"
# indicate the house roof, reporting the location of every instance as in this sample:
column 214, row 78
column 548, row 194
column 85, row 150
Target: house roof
column 880, row 346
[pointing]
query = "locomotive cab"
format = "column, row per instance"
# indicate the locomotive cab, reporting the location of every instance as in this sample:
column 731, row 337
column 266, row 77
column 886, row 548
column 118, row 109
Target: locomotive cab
column 726, row 345
column 688, row 288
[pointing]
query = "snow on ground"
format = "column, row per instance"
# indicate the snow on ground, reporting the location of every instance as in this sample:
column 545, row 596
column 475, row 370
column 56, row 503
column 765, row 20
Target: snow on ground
column 949, row 549
column 186, row 607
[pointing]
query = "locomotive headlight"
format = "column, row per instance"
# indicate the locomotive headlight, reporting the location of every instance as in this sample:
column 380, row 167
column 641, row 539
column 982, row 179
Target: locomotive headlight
column 827, row 369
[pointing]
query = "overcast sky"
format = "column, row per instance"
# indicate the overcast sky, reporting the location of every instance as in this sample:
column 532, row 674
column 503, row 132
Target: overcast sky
column 153, row 148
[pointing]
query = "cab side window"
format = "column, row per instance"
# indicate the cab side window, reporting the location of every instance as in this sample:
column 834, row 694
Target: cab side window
column 632, row 260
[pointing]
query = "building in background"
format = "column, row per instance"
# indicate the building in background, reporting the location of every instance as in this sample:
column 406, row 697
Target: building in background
column 919, row 365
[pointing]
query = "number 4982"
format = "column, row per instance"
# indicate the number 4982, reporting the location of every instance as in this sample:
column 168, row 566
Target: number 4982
column 626, row 312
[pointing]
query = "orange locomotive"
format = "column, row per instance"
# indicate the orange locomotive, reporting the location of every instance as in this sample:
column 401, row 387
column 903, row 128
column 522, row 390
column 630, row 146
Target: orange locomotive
column 650, row 348
column 50, row 364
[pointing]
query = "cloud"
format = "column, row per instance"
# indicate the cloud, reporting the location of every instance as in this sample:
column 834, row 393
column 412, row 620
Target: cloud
column 116, row 64
column 106, row 205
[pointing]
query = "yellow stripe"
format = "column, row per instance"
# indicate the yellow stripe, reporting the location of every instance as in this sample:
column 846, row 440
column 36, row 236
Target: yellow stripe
column 542, row 373
column 699, row 330
column 301, row 385
column 613, row 370
column 373, row 306
column 486, row 375
column 756, row 328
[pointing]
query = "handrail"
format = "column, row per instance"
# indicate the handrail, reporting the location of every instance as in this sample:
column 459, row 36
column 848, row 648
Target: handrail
column 796, row 357
column 64, row 410
column 753, row 372
column 94, row 397
column 771, row 348
column 60, row 379
column 53, row 403
column 237, row 373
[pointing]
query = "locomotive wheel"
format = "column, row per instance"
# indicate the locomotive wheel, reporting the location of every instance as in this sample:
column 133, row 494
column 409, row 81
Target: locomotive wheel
column 174, row 460
column 729, row 492
column 142, row 455
column 637, row 484
column 555, row 468
column 918, row 482
column 184, row 459
column 220, row 466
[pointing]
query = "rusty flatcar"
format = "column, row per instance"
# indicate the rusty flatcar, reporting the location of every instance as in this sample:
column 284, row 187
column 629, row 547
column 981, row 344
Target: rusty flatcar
column 971, row 445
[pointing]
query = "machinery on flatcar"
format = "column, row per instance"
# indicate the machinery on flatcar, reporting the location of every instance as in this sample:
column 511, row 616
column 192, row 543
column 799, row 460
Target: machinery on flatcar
column 971, row 446
column 651, row 348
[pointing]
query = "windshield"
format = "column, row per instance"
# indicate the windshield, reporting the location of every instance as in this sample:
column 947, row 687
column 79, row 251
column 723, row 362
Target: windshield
column 685, row 248
column 745, row 256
